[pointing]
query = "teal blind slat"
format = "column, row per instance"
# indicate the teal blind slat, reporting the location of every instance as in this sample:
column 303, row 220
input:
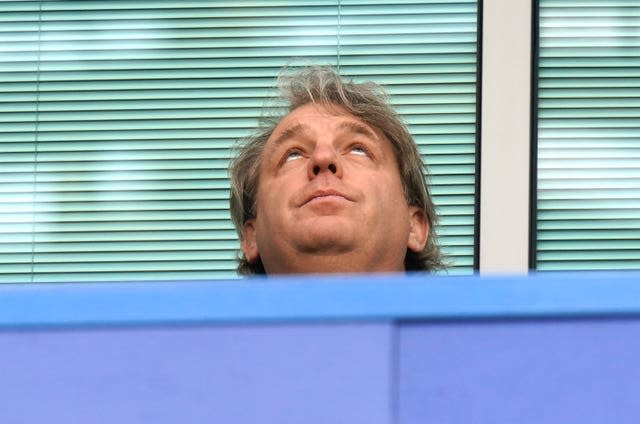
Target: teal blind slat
column 588, row 135
column 118, row 118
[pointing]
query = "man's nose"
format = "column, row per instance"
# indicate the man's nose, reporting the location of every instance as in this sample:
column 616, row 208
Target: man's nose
column 324, row 159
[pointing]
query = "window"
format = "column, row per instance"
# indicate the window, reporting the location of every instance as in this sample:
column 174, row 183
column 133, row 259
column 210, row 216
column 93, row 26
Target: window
column 588, row 145
column 118, row 117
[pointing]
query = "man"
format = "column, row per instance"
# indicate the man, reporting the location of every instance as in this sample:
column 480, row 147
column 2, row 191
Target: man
column 335, row 184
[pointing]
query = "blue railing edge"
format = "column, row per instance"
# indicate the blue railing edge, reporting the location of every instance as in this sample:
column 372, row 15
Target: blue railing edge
column 321, row 298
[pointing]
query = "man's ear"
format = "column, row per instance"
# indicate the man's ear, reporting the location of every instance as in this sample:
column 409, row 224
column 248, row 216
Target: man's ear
column 249, row 245
column 419, row 231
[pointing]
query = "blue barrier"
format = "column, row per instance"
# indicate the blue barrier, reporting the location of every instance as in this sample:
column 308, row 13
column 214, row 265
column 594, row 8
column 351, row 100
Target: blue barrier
column 356, row 349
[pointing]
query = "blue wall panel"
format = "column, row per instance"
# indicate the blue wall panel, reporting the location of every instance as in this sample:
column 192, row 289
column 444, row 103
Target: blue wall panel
column 226, row 374
column 561, row 371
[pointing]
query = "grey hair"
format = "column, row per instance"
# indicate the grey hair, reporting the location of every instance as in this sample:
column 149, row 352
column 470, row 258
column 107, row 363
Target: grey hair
column 366, row 101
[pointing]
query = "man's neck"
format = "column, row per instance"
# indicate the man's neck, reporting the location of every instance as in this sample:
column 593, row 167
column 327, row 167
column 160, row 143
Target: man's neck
column 333, row 264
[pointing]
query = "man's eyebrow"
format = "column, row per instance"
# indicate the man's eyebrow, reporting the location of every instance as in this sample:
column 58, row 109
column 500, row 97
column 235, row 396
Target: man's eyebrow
column 358, row 128
column 290, row 132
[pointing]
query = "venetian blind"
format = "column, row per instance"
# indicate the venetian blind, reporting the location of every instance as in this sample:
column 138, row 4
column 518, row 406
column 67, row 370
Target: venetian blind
column 589, row 135
column 118, row 117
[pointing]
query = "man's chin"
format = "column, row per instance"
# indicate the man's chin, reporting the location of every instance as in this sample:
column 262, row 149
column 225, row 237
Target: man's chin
column 331, row 236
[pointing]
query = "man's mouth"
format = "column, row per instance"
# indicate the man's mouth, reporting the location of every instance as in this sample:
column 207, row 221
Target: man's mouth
column 328, row 194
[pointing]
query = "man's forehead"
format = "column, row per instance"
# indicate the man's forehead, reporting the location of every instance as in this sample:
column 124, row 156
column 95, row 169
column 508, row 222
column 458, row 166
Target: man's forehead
column 298, row 121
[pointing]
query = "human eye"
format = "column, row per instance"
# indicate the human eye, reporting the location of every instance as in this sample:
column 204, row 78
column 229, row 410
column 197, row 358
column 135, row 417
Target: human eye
column 360, row 150
column 291, row 155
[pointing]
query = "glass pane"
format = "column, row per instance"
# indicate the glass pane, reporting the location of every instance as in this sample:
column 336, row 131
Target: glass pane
column 588, row 187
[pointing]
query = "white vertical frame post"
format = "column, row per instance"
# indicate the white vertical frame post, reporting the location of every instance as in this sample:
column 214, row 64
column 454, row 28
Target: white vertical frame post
column 505, row 151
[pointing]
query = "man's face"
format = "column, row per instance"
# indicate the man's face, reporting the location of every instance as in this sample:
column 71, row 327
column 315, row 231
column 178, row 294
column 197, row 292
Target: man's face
column 330, row 198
